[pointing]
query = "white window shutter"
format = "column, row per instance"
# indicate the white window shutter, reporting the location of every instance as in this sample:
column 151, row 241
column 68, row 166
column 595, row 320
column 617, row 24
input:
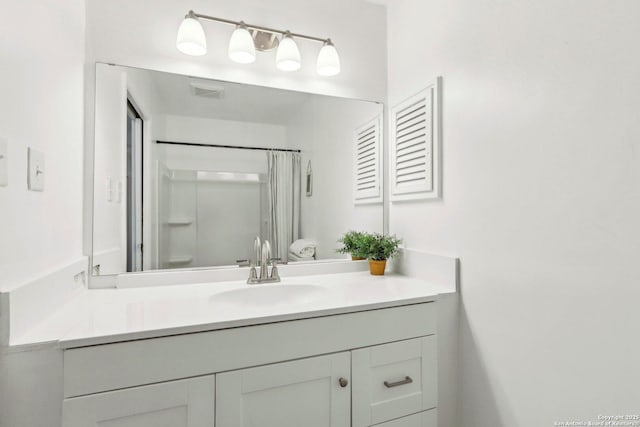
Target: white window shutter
column 415, row 164
column 367, row 162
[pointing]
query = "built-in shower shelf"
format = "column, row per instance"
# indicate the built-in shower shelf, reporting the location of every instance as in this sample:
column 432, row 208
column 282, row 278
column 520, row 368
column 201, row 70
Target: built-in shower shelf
column 175, row 222
column 179, row 260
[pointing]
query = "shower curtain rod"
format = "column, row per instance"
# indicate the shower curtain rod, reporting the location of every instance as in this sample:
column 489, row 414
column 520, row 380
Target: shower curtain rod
column 195, row 144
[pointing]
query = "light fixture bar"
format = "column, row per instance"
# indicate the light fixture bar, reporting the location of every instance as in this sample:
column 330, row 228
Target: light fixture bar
column 255, row 27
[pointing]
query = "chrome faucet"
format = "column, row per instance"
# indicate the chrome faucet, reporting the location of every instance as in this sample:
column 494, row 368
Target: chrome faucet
column 263, row 259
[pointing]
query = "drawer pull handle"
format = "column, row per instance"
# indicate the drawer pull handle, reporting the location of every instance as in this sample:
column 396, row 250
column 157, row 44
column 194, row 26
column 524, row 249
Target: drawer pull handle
column 406, row 380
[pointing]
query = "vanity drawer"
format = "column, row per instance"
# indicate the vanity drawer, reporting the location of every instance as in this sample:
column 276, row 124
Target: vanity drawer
column 423, row 419
column 394, row 380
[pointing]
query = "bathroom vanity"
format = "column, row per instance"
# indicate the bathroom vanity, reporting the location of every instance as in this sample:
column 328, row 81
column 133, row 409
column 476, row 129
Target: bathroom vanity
column 344, row 349
column 361, row 369
column 125, row 339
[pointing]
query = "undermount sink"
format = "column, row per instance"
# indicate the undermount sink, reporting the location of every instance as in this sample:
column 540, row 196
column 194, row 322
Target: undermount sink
column 270, row 295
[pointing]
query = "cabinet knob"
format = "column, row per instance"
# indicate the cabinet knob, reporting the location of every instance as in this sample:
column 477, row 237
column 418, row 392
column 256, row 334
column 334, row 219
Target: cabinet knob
column 343, row 382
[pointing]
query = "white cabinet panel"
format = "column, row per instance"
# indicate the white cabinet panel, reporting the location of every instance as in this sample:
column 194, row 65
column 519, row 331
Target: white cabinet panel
column 186, row 403
column 394, row 380
column 100, row 368
column 298, row 393
column 423, row 419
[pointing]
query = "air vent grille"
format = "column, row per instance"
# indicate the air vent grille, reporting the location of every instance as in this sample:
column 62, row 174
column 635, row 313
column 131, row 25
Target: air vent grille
column 206, row 90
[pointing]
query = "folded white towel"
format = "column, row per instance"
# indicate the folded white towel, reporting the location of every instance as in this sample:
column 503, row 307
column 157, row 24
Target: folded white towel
column 303, row 248
column 296, row 258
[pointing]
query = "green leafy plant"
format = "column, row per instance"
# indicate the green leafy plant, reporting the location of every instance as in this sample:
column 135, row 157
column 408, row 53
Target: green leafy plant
column 379, row 247
column 353, row 243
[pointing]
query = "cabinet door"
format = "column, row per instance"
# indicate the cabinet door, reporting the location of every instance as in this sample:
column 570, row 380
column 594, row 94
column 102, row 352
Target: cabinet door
column 394, row 380
column 306, row 392
column 423, row 419
column 186, row 403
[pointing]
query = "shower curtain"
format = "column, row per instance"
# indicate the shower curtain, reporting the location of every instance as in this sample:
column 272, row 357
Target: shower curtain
column 283, row 186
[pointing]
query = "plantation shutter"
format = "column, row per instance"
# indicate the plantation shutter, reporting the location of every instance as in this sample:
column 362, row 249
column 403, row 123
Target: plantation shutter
column 414, row 147
column 367, row 170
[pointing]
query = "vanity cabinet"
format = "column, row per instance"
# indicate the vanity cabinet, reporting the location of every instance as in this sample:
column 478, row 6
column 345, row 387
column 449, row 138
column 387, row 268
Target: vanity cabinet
column 358, row 369
column 313, row 392
column 185, row 403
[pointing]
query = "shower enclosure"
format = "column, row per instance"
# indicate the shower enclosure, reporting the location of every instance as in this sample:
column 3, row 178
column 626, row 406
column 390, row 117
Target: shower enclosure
column 211, row 217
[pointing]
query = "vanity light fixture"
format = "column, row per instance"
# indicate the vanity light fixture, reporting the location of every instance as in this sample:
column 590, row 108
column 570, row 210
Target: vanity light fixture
column 288, row 54
column 248, row 38
column 241, row 46
column 328, row 60
column 191, row 39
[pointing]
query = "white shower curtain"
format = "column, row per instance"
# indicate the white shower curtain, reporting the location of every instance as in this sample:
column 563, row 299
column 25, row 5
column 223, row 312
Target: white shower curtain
column 284, row 191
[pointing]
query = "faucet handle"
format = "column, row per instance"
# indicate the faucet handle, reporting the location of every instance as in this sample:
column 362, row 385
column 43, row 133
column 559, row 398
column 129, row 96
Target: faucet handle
column 274, row 273
column 274, row 261
column 253, row 274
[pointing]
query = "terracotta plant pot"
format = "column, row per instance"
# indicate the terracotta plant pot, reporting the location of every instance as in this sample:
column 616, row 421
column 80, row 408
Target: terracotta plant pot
column 377, row 267
column 356, row 258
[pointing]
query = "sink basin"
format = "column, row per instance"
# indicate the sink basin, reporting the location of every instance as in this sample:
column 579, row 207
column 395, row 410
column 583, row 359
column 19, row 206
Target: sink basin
column 270, row 295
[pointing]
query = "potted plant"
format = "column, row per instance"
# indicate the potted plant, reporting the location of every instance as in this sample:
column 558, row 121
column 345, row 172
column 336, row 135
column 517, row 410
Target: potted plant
column 378, row 248
column 352, row 242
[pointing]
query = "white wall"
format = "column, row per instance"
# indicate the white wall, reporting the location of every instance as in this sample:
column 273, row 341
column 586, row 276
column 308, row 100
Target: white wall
column 324, row 128
column 110, row 170
column 200, row 130
column 41, row 62
column 143, row 34
column 541, row 185
column 116, row 84
column 228, row 215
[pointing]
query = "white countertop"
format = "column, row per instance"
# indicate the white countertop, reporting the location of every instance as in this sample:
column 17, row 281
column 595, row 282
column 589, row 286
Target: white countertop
column 113, row 315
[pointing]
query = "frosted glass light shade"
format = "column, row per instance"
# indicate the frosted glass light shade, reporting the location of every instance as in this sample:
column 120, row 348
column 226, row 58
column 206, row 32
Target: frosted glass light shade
column 288, row 55
column 328, row 60
column 191, row 39
column 241, row 47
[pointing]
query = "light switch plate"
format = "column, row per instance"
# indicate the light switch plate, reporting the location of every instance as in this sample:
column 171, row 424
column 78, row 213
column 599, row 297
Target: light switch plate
column 35, row 179
column 4, row 162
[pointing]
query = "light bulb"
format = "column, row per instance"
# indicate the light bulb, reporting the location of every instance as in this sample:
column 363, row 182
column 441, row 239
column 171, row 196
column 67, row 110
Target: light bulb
column 328, row 60
column 191, row 39
column 288, row 55
column 241, row 46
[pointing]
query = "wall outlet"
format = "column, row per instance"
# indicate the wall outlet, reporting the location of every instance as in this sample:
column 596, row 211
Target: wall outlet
column 35, row 178
column 4, row 162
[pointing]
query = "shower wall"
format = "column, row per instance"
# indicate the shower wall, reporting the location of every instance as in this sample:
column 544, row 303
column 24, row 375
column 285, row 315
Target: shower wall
column 207, row 221
column 226, row 214
column 230, row 215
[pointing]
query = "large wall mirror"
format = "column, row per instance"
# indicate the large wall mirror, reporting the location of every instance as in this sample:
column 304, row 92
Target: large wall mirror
column 187, row 171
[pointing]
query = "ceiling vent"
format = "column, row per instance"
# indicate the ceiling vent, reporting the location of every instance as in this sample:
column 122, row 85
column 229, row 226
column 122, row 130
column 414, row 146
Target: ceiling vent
column 206, row 90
